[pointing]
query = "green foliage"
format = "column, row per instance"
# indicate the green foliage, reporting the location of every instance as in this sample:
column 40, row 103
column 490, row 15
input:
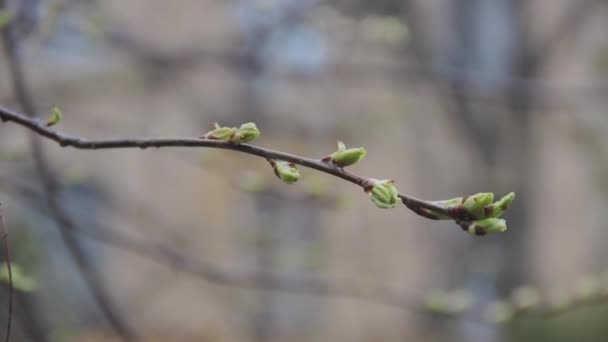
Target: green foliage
column 586, row 324
column 21, row 281
column 5, row 18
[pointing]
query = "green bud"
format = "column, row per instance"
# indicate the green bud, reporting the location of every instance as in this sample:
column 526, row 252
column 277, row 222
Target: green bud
column 56, row 116
column 220, row 133
column 475, row 204
column 486, row 226
column 286, row 171
column 345, row 157
column 499, row 207
column 246, row 133
column 383, row 193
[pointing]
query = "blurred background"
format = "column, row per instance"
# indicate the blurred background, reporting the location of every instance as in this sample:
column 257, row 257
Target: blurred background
column 449, row 98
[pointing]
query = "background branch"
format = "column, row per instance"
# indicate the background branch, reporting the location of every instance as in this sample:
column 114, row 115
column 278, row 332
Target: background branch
column 64, row 222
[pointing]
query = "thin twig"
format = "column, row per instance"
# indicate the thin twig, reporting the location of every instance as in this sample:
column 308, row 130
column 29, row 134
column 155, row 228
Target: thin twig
column 64, row 140
column 4, row 233
column 309, row 284
column 165, row 254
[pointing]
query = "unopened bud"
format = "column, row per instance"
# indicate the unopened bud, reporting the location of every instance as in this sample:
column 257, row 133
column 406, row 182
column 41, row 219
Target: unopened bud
column 485, row 226
column 475, row 204
column 499, row 207
column 247, row 132
column 345, row 157
column 220, row 133
column 286, row 171
column 383, row 193
column 56, row 116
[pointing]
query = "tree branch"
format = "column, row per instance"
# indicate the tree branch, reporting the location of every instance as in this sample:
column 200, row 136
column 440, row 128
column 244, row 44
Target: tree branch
column 64, row 140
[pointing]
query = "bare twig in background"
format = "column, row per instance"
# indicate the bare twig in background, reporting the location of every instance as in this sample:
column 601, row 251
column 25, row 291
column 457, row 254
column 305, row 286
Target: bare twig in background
column 309, row 284
column 181, row 261
column 51, row 186
column 4, row 233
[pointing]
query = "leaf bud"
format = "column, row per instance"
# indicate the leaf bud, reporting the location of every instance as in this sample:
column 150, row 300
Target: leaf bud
column 246, row 133
column 383, row 193
column 345, row 157
column 286, row 171
column 56, row 116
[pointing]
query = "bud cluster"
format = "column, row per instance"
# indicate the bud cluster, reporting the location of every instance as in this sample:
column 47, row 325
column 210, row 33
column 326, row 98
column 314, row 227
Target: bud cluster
column 245, row 133
column 476, row 214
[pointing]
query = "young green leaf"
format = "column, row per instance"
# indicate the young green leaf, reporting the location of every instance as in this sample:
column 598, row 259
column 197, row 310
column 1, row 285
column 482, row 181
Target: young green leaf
column 56, row 116
column 499, row 207
column 21, row 281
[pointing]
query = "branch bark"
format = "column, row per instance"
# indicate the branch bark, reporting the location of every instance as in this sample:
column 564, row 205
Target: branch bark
column 7, row 115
